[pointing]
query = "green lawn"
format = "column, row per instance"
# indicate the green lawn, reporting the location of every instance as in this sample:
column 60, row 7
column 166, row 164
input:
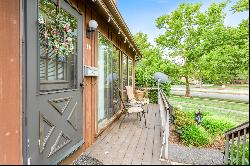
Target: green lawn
column 236, row 112
column 244, row 107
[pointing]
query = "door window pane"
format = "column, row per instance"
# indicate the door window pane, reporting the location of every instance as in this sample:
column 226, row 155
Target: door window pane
column 51, row 70
column 42, row 69
column 60, row 71
column 116, row 79
column 58, row 31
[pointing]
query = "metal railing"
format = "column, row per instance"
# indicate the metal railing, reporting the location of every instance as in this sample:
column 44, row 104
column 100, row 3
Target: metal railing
column 241, row 135
column 165, row 112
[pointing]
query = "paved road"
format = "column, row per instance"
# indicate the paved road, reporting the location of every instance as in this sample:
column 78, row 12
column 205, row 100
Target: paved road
column 228, row 96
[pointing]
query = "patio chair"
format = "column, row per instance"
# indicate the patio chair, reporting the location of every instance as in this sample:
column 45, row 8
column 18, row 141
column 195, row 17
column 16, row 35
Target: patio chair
column 132, row 99
column 129, row 108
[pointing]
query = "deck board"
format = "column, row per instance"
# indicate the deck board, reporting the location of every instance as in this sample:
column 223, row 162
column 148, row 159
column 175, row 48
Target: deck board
column 133, row 143
column 123, row 147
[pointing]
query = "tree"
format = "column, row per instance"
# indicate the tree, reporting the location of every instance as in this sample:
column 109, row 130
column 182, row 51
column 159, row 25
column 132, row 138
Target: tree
column 227, row 52
column 227, row 56
column 241, row 6
column 186, row 30
column 150, row 63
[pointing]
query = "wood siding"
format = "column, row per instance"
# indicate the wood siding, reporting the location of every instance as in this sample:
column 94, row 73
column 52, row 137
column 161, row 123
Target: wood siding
column 10, row 132
column 11, row 75
column 89, row 11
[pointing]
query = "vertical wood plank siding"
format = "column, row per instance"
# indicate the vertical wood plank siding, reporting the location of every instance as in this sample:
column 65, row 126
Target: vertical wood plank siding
column 90, row 49
column 10, row 76
column 10, row 133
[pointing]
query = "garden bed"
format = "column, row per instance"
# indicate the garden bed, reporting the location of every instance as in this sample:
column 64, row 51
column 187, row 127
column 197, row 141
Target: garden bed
column 208, row 134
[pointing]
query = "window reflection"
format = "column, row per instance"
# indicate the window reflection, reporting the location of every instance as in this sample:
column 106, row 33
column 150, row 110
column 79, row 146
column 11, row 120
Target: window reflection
column 130, row 72
column 125, row 70
column 108, row 80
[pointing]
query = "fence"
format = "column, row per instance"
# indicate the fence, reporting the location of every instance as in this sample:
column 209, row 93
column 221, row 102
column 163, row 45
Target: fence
column 238, row 133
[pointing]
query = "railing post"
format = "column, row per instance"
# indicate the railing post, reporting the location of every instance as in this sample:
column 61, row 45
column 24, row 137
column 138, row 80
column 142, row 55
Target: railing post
column 240, row 131
column 232, row 150
column 244, row 146
column 238, row 145
column 226, row 150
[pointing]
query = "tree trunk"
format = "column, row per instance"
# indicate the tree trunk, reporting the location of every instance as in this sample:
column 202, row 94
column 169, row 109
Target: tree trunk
column 187, row 87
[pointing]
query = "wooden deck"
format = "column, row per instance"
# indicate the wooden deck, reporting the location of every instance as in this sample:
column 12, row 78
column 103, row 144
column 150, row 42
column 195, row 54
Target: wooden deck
column 133, row 143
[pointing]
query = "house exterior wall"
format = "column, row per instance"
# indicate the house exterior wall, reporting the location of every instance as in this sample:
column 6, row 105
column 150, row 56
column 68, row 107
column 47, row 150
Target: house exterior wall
column 89, row 12
column 10, row 101
column 11, row 76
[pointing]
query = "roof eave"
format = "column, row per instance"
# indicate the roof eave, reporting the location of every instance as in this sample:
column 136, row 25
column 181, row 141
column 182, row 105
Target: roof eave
column 118, row 17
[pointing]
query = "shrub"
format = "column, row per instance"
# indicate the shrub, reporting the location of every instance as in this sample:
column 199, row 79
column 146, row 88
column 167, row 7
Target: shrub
column 195, row 135
column 199, row 135
column 153, row 94
column 215, row 125
column 166, row 87
column 153, row 98
column 182, row 119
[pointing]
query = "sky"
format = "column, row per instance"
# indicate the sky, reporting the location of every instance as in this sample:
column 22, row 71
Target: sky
column 140, row 15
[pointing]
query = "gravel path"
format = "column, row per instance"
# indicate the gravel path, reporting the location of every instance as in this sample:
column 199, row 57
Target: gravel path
column 194, row 156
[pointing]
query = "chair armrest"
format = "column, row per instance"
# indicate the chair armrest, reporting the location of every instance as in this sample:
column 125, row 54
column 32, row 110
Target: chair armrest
column 133, row 105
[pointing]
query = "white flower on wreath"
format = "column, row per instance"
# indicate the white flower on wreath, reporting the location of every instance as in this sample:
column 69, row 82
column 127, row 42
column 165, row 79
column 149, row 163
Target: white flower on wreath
column 69, row 39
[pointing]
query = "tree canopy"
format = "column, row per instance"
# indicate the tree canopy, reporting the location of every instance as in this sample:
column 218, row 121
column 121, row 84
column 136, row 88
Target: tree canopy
column 241, row 6
column 211, row 51
column 152, row 62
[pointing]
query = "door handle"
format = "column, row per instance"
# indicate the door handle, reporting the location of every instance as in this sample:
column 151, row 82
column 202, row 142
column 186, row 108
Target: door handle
column 81, row 85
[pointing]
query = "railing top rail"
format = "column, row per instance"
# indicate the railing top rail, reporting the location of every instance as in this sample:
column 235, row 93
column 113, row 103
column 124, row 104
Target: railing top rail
column 238, row 128
column 166, row 98
column 166, row 102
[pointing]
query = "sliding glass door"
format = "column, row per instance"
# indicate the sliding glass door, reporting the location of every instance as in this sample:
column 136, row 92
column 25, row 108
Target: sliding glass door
column 130, row 72
column 108, row 80
column 116, row 80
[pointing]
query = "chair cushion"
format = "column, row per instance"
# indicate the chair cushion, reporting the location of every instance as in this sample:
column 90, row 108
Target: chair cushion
column 135, row 109
column 145, row 101
column 130, row 92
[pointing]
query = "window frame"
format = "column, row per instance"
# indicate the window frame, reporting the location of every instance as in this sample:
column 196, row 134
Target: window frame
column 130, row 60
column 53, row 86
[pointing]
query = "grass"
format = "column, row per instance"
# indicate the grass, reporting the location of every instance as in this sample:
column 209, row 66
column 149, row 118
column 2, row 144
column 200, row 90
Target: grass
column 224, row 104
column 215, row 108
